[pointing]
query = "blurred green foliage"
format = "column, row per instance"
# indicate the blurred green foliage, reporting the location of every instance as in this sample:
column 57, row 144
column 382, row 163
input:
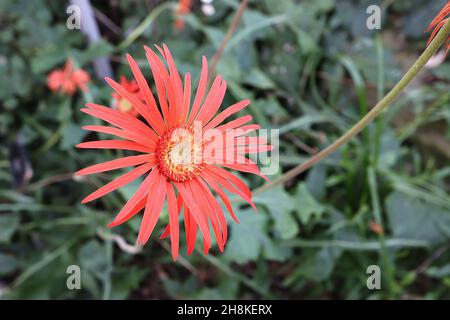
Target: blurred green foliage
column 311, row 69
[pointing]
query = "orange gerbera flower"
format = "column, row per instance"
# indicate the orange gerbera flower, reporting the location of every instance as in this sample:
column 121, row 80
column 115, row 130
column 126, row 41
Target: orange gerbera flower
column 184, row 7
column 125, row 105
column 184, row 149
column 68, row 79
column 438, row 22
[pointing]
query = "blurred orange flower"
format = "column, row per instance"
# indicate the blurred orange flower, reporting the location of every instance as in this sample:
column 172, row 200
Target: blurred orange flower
column 376, row 227
column 438, row 22
column 184, row 7
column 68, row 79
column 123, row 104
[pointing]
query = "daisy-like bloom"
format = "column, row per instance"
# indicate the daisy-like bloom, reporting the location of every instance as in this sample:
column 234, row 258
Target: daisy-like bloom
column 125, row 105
column 438, row 22
column 183, row 8
column 184, row 148
column 68, row 79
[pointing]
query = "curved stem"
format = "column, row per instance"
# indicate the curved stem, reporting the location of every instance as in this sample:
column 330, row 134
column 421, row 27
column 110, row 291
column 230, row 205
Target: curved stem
column 233, row 26
column 379, row 107
column 144, row 25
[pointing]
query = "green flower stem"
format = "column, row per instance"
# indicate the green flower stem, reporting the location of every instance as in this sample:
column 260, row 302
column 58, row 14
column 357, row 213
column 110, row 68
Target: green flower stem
column 145, row 24
column 437, row 42
column 234, row 24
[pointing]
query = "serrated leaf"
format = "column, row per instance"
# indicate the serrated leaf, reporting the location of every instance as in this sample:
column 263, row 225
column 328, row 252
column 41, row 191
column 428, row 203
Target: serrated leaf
column 280, row 206
column 306, row 205
column 246, row 238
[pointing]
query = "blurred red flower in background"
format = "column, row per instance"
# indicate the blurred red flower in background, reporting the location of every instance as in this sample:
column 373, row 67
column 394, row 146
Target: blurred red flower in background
column 123, row 104
column 68, row 79
column 438, row 22
column 173, row 144
column 184, row 7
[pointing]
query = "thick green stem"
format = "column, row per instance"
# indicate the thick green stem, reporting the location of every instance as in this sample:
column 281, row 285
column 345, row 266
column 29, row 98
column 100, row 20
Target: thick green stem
column 437, row 42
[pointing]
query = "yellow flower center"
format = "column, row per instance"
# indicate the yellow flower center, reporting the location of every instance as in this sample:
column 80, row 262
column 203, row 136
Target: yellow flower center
column 125, row 105
column 179, row 153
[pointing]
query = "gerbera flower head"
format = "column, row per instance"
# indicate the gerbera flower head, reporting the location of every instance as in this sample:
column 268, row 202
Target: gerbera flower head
column 123, row 104
column 183, row 8
column 438, row 22
column 185, row 150
column 68, row 79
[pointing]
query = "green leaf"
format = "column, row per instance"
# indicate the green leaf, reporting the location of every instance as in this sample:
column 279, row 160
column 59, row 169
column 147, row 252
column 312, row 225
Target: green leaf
column 316, row 180
column 271, row 107
column 89, row 282
column 64, row 111
column 321, row 265
column 48, row 59
column 229, row 69
column 364, row 57
column 93, row 258
column 280, row 206
column 8, row 264
column 71, row 135
column 439, row 272
column 215, row 35
column 307, row 206
column 126, row 280
column 258, row 79
column 389, row 149
column 8, row 225
column 275, row 250
column 411, row 218
column 247, row 238
column 317, row 267
column 303, row 122
column 97, row 49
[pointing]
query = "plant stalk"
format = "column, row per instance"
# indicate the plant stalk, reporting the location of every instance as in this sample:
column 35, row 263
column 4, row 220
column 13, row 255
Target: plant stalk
column 233, row 26
column 437, row 42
